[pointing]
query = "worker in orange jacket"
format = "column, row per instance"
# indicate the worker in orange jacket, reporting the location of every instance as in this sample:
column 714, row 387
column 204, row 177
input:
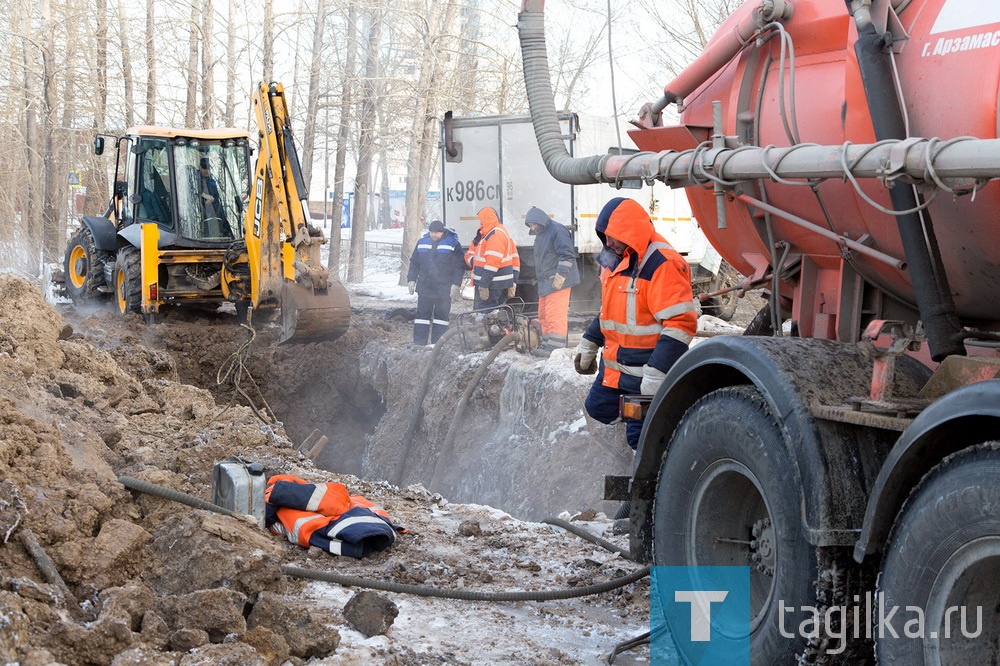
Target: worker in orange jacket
column 647, row 317
column 494, row 262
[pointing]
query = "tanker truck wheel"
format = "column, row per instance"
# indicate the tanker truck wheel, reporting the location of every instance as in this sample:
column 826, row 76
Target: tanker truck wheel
column 943, row 556
column 727, row 495
column 128, row 280
column 83, row 265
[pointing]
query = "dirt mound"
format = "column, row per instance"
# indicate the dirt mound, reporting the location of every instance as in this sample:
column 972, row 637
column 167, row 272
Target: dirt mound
column 136, row 579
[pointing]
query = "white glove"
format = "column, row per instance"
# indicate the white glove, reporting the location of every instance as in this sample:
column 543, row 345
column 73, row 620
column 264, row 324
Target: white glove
column 558, row 280
column 511, row 291
column 412, row 286
column 456, row 292
column 585, row 358
column 484, row 293
column 652, row 379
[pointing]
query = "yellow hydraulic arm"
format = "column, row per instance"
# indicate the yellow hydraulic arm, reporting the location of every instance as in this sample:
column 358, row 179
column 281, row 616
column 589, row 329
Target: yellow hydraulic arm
column 286, row 270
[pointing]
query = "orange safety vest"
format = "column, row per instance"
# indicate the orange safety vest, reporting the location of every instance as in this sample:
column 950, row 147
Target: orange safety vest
column 645, row 297
column 494, row 260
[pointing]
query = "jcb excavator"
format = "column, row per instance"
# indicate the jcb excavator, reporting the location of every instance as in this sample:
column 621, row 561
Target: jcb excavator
column 189, row 222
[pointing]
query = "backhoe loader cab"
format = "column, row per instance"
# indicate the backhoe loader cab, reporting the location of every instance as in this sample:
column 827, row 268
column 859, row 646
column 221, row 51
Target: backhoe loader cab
column 194, row 187
column 185, row 225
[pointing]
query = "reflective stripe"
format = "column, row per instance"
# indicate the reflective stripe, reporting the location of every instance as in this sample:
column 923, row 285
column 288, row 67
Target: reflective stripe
column 630, row 303
column 632, row 329
column 343, row 524
column 493, row 253
column 492, row 269
column 440, row 322
column 334, row 547
column 677, row 334
column 633, row 370
column 674, row 310
column 567, row 264
column 294, row 536
column 317, row 496
column 425, row 322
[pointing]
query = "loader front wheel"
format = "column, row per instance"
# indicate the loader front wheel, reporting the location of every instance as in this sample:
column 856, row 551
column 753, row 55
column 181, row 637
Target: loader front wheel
column 728, row 496
column 940, row 581
column 128, row 280
column 83, row 265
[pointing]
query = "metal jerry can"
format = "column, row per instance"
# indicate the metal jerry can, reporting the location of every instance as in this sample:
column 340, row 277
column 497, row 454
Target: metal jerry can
column 238, row 485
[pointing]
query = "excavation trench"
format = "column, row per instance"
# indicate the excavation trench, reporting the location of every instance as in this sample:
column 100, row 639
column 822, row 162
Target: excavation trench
column 522, row 444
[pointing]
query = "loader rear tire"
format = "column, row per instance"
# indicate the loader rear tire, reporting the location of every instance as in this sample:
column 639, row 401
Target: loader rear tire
column 128, row 280
column 943, row 557
column 83, row 265
column 728, row 496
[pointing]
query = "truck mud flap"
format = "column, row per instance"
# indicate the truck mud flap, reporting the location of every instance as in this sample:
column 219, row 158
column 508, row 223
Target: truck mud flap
column 313, row 316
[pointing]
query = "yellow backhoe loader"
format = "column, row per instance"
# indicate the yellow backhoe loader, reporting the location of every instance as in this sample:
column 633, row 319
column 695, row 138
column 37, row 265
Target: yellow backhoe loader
column 190, row 222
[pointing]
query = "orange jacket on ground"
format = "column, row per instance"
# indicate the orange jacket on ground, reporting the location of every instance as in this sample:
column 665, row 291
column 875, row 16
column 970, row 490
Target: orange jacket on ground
column 648, row 316
column 327, row 516
column 493, row 259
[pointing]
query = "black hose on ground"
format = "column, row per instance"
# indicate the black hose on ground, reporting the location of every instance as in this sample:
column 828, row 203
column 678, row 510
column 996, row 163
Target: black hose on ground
column 418, row 410
column 466, row 595
column 177, row 496
column 589, row 536
column 505, row 341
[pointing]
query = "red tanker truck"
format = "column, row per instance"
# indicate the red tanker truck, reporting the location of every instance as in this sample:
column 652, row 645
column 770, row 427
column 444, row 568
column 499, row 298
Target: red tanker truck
column 847, row 449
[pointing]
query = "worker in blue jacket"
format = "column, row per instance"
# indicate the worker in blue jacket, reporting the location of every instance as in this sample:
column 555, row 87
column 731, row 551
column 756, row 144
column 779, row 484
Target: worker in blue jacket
column 436, row 269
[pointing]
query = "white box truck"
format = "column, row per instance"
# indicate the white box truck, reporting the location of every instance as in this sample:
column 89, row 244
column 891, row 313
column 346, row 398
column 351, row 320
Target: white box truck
column 494, row 161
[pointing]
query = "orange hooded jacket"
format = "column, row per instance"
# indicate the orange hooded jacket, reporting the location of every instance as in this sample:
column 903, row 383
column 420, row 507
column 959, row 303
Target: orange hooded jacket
column 648, row 316
column 493, row 259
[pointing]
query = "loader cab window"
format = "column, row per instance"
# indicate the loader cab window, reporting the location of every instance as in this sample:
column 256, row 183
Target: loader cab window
column 153, row 183
column 212, row 188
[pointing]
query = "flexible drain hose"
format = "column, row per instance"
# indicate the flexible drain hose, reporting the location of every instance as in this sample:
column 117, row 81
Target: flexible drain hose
column 466, row 595
column 589, row 536
column 418, row 410
column 177, row 496
column 505, row 341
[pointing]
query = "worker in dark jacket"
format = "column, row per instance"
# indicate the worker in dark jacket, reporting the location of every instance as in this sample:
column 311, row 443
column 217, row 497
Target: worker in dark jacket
column 556, row 272
column 647, row 318
column 436, row 269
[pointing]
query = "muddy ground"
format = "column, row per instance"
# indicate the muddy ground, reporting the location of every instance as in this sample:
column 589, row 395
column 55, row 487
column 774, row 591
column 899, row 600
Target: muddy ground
column 88, row 397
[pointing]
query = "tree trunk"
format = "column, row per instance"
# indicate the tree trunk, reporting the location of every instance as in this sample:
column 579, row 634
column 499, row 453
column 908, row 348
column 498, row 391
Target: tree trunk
column 366, row 147
column 150, row 62
column 268, row 40
column 312, row 105
column 191, row 75
column 231, row 57
column 95, row 178
column 52, row 223
column 346, row 101
column 126, row 65
column 423, row 143
column 207, row 67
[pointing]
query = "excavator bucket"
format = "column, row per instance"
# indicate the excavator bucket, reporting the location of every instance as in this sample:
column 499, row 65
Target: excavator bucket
column 313, row 316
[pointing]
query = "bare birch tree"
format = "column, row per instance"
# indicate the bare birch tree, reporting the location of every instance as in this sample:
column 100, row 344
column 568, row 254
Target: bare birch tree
column 346, row 103
column 191, row 74
column 312, row 104
column 126, row 53
column 366, row 147
column 150, row 62
column 207, row 65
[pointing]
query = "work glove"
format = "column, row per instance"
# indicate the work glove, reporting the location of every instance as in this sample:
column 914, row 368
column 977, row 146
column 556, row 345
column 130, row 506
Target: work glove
column 456, row 291
column 585, row 359
column 652, row 379
column 558, row 280
column 412, row 286
column 484, row 293
column 511, row 291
